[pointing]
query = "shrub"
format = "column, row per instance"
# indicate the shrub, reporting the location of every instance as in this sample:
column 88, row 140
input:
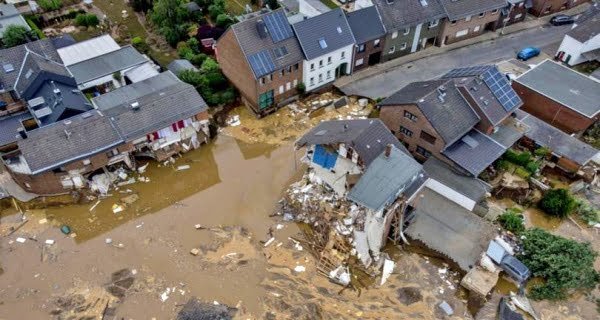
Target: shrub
column 50, row 5
column 557, row 202
column 520, row 158
column 541, row 152
column 198, row 59
column 35, row 28
column 216, row 8
column 193, row 44
column 563, row 264
column 532, row 167
column 502, row 165
column 512, row 221
column 209, row 65
column 224, row 20
column 87, row 20
column 587, row 213
column 301, row 88
column 15, row 35
column 140, row 44
column 519, row 171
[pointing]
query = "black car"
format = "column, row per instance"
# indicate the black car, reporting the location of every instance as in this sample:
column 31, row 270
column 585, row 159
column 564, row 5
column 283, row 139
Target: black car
column 561, row 19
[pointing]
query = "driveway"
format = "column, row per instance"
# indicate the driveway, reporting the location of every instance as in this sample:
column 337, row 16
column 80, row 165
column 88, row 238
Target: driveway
column 493, row 51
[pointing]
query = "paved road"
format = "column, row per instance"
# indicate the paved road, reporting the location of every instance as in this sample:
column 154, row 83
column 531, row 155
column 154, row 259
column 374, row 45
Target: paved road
column 502, row 48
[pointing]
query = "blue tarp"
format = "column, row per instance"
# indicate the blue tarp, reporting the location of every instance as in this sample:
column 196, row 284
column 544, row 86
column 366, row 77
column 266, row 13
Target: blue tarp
column 324, row 158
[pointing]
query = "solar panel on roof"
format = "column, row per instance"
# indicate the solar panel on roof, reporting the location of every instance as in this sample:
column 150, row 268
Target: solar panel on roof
column 278, row 26
column 261, row 63
column 501, row 89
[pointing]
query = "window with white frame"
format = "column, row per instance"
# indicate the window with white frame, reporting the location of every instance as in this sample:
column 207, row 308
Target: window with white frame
column 361, row 48
column 376, row 43
column 462, row 33
column 481, row 15
column 406, row 31
column 328, row 60
column 359, row 62
column 343, row 55
column 280, row 89
column 320, row 63
column 328, row 74
column 312, row 66
column 434, row 23
column 312, row 81
column 320, row 77
column 518, row 16
column 288, row 86
column 494, row 11
column 392, row 49
column 403, row 46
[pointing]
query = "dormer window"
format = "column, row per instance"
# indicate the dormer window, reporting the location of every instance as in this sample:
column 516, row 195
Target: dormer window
column 322, row 43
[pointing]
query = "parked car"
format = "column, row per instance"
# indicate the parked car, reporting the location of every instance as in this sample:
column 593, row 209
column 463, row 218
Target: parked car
column 561, row 19
column 515, row 268
column 528, row 53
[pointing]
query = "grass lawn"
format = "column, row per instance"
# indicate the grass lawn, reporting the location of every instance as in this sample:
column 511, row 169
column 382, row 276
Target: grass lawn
column 330, row 4
column 237, row 7
column 113, row 9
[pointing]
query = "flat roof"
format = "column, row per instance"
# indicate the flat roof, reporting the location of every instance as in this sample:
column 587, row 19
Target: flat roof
column 106, row 64
column 87, row 49
column 565, row 86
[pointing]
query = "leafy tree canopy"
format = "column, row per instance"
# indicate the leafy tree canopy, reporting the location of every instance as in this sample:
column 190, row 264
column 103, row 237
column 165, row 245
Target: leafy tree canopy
column 15, row 35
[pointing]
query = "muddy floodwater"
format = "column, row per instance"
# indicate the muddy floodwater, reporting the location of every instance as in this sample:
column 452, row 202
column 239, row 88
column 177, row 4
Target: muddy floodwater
column 139, row 262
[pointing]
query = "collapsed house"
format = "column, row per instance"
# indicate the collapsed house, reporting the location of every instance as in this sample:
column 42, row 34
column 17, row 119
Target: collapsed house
column 156, row 117
column 363, row 188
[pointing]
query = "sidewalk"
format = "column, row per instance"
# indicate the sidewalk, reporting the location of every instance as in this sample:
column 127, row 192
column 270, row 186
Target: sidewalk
column 433, row 51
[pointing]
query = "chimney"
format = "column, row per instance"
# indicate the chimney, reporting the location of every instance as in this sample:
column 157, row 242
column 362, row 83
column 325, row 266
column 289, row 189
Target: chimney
column 22, row 132
column 388, row 150
column 261, row 28
column 135, row 106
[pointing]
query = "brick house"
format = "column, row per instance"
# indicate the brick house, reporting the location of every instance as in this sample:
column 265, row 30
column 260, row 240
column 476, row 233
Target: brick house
column 411, row 25
column 468, row 18
column 515, row 11
column 545, row 7
column 262, row 58
column 560, row 96
column 455, row 118
column 370, row 37
column 328, row 44
column 131, row 121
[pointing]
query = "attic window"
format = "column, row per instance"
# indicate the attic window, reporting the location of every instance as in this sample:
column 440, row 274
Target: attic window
column 28, row 74
column 339, row 29
column 322, row 43
column 423, row 3
column 8, row 67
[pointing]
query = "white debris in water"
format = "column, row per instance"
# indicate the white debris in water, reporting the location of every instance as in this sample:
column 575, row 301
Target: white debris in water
column 21, row 240
column 165, row 295
column 108, row 241
column 142, row 169
column 233, row 121
column 269, row 241
column 388, row 268
column 49, row 242
column 300, row 269
column 279, row 226
column 183, row 167
column 443, row 270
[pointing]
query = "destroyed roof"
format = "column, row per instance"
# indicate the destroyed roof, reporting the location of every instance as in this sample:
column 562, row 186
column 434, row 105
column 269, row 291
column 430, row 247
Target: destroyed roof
column 106, row 64
column 474, row 152
column 445, row 227
column 159, row 101
column 368, row 137
column 323, row 34
column 362, row 31
column 268, row 42
column 385, row 179
column 587, row 25
column 565, row 86
column 179, row 65
column 9, row 126
column 450, row 115
column 556, row 140
column 460, row 9
column 398, row 14
column 470, row 187
column 489, row 90
column 13, row 58
column 62, row 142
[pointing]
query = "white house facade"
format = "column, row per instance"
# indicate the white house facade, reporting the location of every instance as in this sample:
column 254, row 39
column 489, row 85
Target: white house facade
column 325, row 69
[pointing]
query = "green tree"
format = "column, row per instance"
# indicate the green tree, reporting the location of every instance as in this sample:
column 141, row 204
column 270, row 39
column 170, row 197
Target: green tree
column 193, row 44
column 15, row 35
column 50, row 5
column 564, row 265
column 140, row 44
column 198, row 59
column 170, row 16
column 224, row 20
column 557, row 202
column 512, row 220
column 216, row 8
column 209, row 65
column 87, row 20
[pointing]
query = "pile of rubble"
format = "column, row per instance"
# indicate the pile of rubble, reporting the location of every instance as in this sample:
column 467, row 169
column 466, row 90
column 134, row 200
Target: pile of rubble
column 332, row 222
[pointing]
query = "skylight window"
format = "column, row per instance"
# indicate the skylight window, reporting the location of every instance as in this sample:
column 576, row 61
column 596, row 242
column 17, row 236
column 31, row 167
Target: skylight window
column 339, row 29
column 322, row 43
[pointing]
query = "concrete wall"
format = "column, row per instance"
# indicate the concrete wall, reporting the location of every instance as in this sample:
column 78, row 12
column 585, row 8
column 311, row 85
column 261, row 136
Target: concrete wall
column 552, row 111
column 318, row 69
column 465, row 28
column 393, row 118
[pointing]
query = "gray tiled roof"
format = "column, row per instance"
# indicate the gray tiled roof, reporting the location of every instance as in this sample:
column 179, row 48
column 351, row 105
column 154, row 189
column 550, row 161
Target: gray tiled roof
column 50, row 146
column 385, row 179
column 33, row 66
column 451, row 118
column 16, row 55
column 162, row 99
column 462, row 8
column 368, row 137
column 408, row 13
column 106, row 64
column 250, row 42
column 366, row 24
column 476, row 157
column 331, row 26
column 587, row 25
column 10, row 125
column 565, row 86
column 559, row 142
column 450, row 229
column 468, row 186
column 178, row 65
